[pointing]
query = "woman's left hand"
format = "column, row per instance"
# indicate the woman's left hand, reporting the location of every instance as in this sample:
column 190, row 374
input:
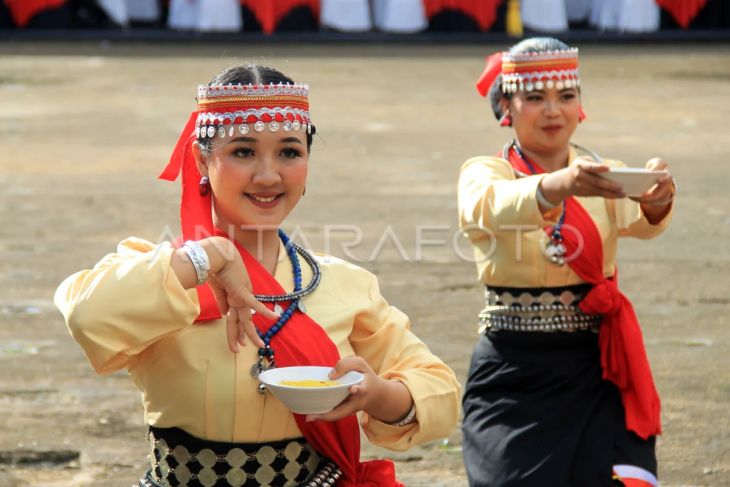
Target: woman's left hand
column 360, row 394
column 371, row 395
column 662, row 193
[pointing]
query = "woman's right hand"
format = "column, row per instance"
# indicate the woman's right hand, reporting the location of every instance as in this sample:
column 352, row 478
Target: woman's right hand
column 582, row 178
column 231, row 285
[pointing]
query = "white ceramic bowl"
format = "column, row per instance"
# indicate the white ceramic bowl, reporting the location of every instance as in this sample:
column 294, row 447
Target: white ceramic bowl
column 634, row 181
column 309, row 400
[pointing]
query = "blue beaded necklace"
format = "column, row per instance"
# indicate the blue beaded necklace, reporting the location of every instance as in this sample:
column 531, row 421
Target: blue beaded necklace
column 266, row 353
column 555, row 250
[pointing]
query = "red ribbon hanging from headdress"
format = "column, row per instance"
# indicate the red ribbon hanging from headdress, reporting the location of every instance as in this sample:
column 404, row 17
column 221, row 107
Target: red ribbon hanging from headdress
column 225, row 104
column 304, row 342
column 301, row 342
column 623, row 356
column 491, row 71
column 196, row 217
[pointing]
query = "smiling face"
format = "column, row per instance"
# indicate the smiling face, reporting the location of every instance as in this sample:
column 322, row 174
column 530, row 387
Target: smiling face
column 257, row 179
column 544, row 120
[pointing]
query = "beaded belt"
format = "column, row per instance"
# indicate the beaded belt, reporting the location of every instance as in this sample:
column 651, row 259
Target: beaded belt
column 178, row 458
column 536, row 310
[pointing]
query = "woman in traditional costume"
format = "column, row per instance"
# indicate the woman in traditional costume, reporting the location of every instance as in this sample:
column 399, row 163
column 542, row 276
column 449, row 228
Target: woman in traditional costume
column 196, row 321
column 559, row 391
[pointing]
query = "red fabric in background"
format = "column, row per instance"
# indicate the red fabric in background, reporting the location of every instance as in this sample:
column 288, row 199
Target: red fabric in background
column 623, row 356
column 484, row 12
column 24, row 10
column 683, row 11
column 270, row 12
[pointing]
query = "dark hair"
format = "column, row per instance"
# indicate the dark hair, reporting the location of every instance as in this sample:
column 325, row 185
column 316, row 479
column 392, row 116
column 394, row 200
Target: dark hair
column 534, row 44
column 250, row 74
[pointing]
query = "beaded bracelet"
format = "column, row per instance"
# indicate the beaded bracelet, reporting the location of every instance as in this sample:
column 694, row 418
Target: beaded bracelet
column 199, row 258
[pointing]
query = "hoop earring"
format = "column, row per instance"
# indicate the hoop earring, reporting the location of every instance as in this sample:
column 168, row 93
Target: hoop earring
column 204, row 186
column 505, row 121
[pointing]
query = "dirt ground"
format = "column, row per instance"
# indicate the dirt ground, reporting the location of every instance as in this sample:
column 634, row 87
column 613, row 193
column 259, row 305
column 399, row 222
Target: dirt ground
column 85, row 128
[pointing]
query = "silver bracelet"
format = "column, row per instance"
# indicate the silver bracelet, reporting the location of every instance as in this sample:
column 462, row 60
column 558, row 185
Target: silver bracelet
column 410, row 418
column 199, row 258
column 542, row 201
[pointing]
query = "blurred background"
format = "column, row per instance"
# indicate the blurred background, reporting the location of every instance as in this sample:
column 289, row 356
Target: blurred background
column 173, row 18
column 93, row 96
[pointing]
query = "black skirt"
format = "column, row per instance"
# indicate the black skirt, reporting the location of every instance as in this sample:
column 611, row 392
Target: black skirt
column 538, row 414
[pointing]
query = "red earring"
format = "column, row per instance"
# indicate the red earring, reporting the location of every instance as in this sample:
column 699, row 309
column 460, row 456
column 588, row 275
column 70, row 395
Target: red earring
column 204, row 186
column 505, row 121
column 581, row 114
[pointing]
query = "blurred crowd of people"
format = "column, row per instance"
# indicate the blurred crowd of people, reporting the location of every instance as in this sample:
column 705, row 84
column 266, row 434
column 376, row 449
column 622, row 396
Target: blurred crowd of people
column 395, row 16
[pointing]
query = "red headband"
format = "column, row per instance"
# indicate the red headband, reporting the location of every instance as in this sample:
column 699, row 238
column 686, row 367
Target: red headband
column 531, row 70
column 220, row 108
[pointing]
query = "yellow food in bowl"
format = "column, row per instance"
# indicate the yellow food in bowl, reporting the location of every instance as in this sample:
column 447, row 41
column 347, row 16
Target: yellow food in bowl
column 308, row 383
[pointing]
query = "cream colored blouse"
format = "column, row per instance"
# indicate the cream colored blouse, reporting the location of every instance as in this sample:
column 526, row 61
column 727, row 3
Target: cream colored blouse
column 499, row 213
column 131, row 311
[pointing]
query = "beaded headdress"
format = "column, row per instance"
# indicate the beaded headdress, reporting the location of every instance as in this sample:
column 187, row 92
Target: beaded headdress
column 531, row 71
column 224, row 110
column 272, row 107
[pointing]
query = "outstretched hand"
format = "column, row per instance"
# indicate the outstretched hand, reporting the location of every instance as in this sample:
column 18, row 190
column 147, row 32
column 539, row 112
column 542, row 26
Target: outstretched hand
column 582, row 178
column 662, row 193
column 656, row 203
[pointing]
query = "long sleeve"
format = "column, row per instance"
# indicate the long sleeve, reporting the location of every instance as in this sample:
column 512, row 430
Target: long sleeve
column 491, row 197
column 128, row 301
column 381, row 335
column 499, row 214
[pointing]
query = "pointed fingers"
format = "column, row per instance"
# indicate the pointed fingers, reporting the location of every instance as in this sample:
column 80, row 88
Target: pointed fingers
column 232, row 330
column 260, row 307
column 248, row 328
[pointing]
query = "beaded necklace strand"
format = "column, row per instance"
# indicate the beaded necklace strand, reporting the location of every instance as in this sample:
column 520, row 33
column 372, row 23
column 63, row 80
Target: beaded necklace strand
column 266, row 353
column 555, row 249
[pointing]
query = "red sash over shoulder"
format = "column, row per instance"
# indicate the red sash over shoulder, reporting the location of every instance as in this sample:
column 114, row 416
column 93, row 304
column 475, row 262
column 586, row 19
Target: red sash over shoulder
column 623, row 357
column 300, row 342
column 304, row 342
